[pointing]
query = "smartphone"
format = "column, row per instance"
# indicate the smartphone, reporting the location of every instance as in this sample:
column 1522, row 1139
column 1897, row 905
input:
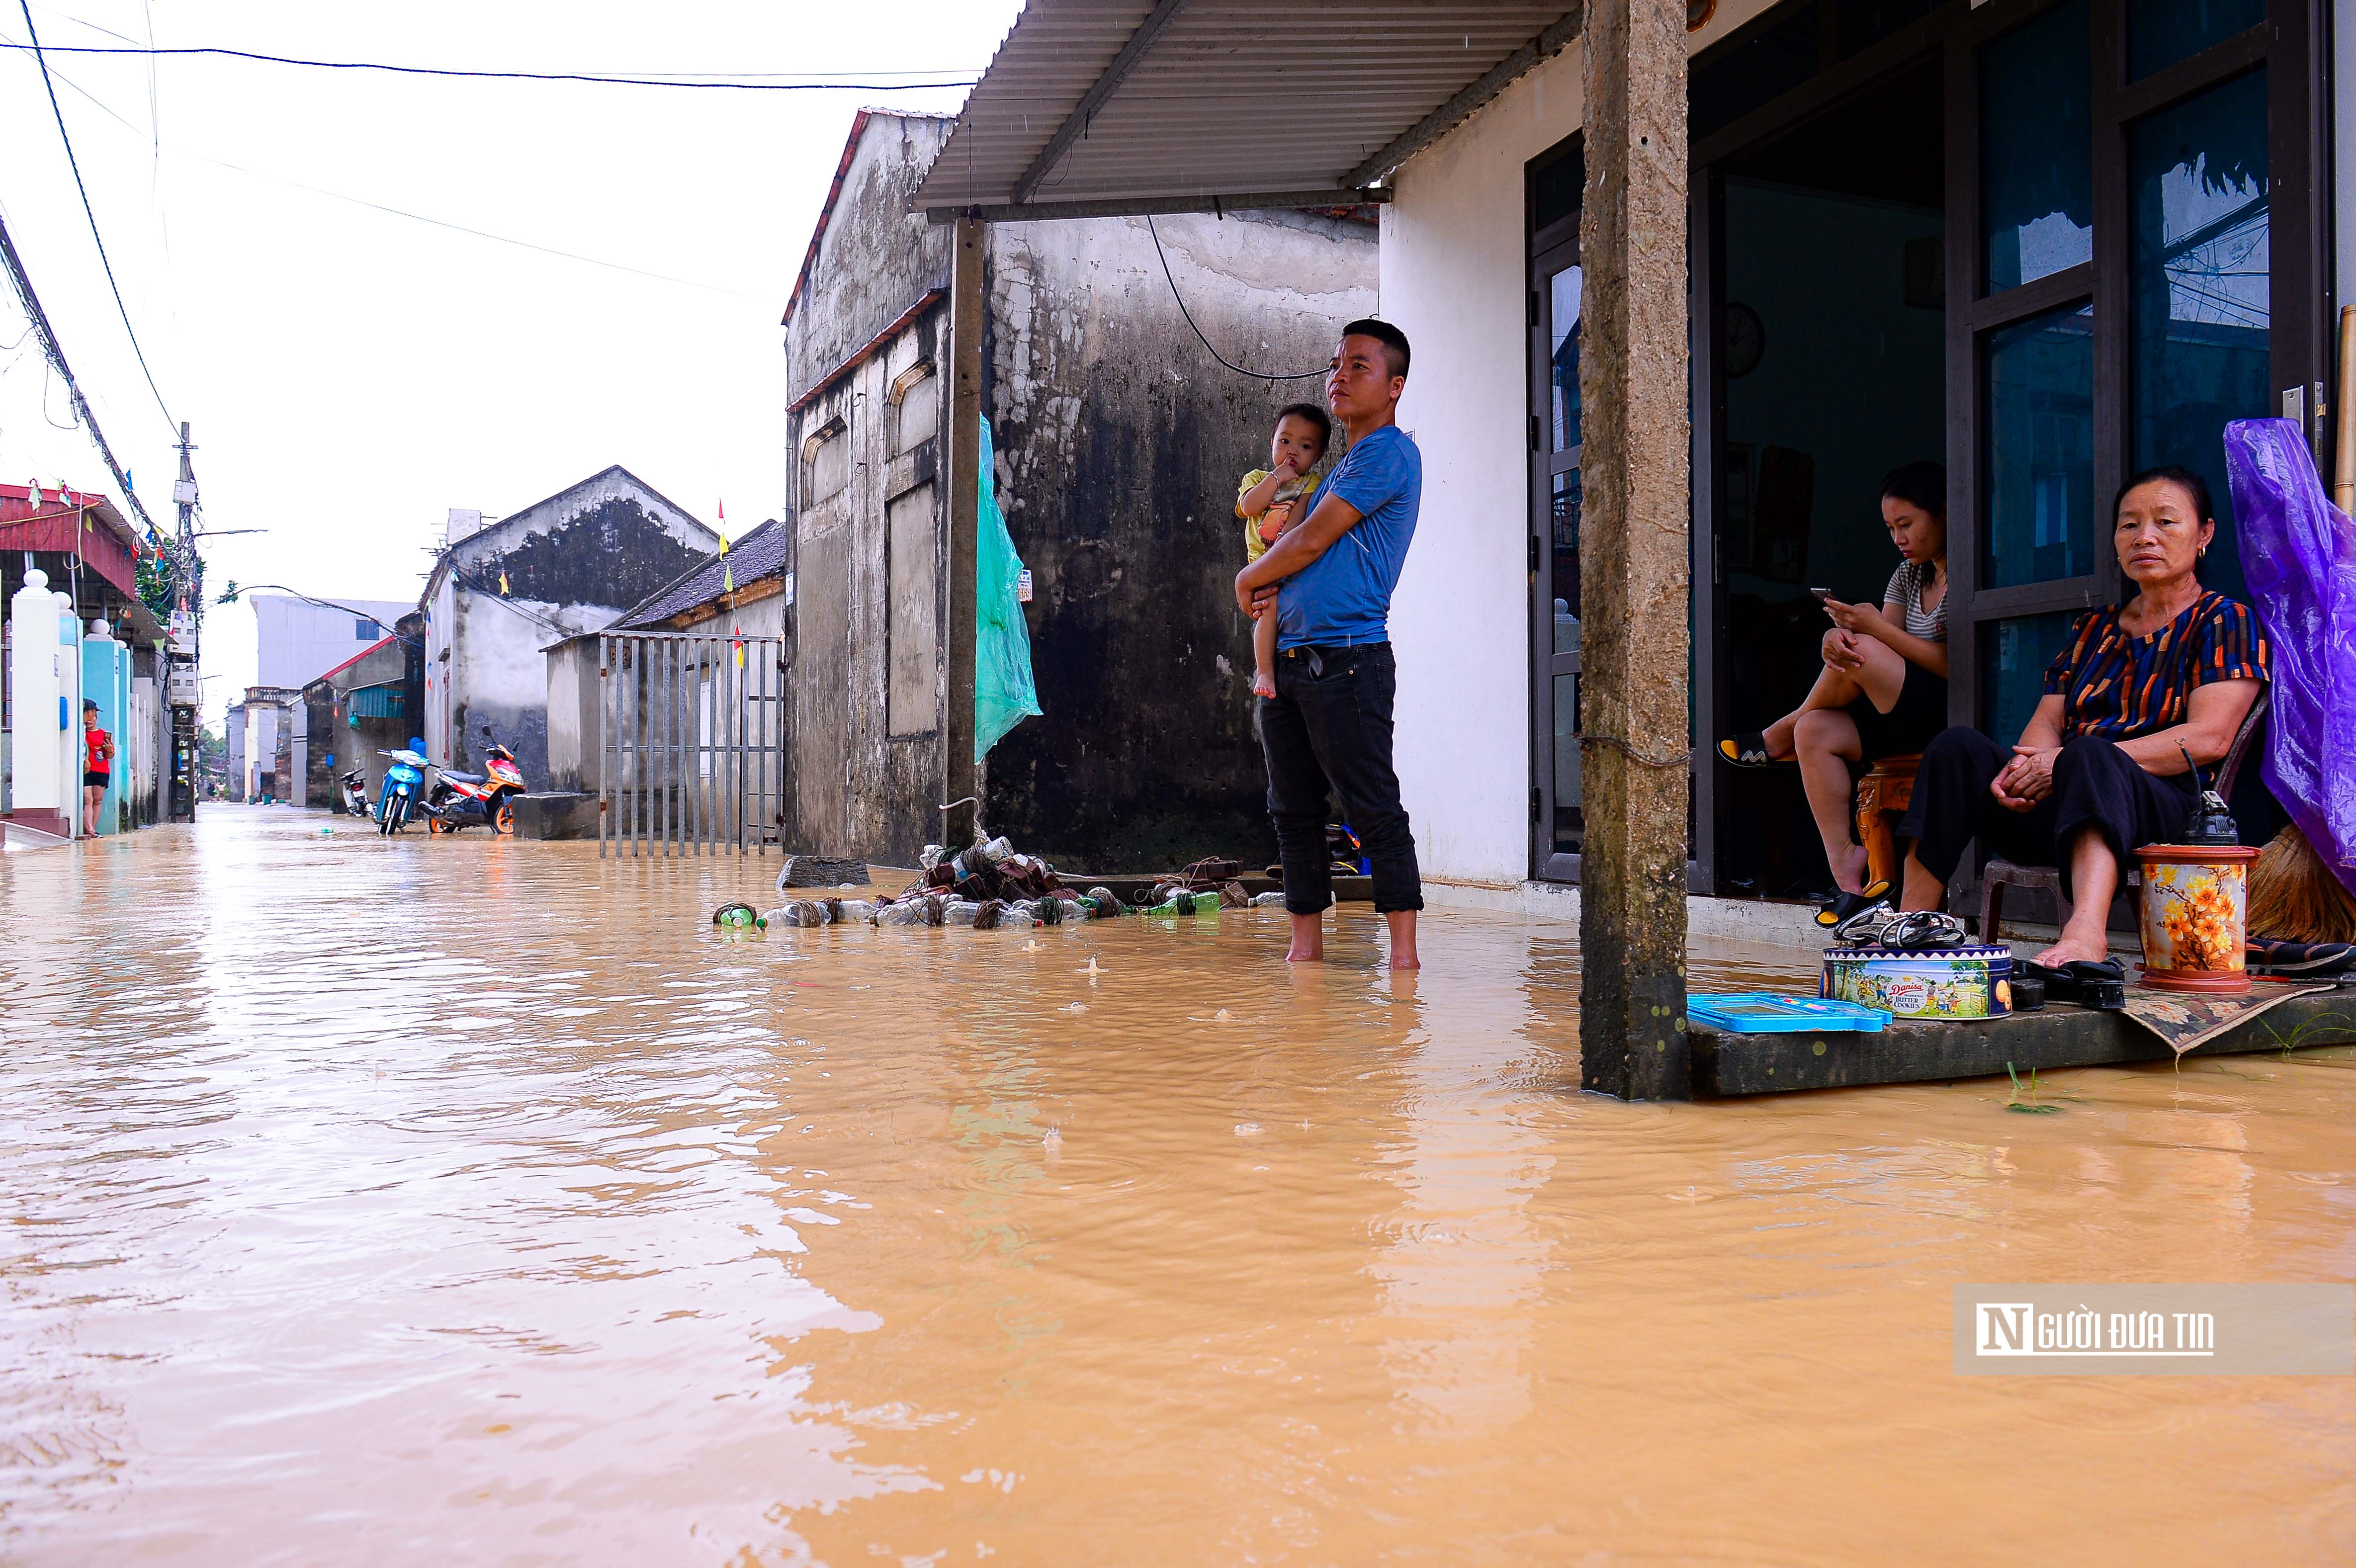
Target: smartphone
column 1821, row 594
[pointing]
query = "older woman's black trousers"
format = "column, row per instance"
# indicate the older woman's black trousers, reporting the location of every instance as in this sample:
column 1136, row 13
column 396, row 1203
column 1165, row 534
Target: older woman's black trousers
column 2093, row 782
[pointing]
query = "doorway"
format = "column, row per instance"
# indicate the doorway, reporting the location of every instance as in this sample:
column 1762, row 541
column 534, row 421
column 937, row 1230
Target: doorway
column 1832, row 248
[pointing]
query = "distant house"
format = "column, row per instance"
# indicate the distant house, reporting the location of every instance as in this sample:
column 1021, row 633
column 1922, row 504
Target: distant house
column 296, row 640
column 267, row 734
column 502, row 592
column 747, row 591
column 1118, row 441
column 354, row 712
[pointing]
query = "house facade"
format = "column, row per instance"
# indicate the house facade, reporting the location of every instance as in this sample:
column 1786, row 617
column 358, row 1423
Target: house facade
column 502, row 592
column 1117, row 440
column 2045, row 242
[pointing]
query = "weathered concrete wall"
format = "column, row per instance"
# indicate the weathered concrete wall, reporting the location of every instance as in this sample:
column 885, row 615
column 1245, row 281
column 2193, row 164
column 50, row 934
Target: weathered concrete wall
column 575, row 726
column 866, row 778
column 1120, row 442
column 876, row 258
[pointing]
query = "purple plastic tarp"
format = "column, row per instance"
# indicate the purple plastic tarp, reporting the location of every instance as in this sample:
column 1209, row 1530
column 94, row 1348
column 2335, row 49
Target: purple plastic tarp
column 2300, row 553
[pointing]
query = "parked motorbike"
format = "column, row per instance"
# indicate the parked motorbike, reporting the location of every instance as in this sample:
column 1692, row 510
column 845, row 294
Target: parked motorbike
column 355, row 784
column 402, row 782
column 461, row 801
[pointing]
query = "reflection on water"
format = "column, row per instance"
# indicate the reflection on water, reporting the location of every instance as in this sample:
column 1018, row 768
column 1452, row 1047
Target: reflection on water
column 451, row 1200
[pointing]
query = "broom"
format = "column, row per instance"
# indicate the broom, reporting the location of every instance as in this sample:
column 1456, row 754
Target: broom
column 2295, row 897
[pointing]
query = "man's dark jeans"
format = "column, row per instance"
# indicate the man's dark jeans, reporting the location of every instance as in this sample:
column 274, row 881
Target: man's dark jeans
column 1328, row 728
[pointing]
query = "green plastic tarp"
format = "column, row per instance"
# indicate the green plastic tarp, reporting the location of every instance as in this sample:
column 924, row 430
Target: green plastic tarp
column 1003, row 694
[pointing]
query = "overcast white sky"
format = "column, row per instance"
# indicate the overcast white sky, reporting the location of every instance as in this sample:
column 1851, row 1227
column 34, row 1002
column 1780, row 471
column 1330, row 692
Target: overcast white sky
column 352, row 375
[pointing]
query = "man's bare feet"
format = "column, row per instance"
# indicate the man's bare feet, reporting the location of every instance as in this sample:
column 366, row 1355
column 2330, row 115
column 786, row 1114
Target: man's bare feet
column 1308, row 939
column 1781, row 747
column 1848, row 870
column 1263, row 684
column 1403, row 953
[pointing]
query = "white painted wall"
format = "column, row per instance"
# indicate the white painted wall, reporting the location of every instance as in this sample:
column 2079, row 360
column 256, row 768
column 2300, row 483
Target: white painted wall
column 1455, row 265
column 297, row 641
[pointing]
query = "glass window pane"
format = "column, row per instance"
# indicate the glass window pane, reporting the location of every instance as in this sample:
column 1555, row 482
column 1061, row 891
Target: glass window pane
column 1564, row 287
column 2161, row 32
column 2037, row 181
column 2013, row 657
column 1566, row 555
column 2038, row 449
column 1558, row 187
column 1567, row 820
column 1864, row 22
column 1750, row 75
column 2201, row 304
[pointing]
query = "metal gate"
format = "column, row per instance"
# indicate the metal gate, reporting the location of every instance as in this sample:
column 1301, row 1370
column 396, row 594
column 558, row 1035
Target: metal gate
column 692, row 743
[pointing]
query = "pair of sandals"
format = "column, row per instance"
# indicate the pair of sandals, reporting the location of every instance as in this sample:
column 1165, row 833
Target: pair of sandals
column 1865, row 919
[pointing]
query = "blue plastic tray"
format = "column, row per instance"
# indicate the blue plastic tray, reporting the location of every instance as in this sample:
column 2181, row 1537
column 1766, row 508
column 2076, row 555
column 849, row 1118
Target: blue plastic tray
column 1764, row 1013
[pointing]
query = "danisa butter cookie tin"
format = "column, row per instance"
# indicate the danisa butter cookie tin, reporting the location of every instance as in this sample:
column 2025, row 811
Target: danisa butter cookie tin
column 1941, row 983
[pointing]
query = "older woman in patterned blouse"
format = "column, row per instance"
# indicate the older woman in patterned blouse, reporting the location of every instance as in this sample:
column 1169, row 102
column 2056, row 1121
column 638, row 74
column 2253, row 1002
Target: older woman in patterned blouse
column 2098, row 771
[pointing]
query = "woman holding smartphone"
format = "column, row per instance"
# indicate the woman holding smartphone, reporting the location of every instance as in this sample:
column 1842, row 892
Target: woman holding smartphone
column 1883, row 690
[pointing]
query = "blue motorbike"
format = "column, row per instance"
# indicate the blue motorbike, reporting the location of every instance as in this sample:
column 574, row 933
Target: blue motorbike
column 403, row 782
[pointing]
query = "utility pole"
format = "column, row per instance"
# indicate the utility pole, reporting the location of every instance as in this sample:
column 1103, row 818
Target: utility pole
column 181, row 650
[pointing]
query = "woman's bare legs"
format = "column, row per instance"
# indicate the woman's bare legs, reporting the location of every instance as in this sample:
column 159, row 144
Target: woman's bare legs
column 2093, row 883
column 1881, row 677
column 1827, row 743
column 1920, row 889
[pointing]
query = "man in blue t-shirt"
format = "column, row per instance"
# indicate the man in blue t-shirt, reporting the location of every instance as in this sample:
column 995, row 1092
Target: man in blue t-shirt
column 1328, row 728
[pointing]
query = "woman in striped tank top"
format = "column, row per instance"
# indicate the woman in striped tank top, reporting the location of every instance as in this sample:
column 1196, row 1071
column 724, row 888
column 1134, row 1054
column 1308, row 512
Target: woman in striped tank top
column 2100, row 768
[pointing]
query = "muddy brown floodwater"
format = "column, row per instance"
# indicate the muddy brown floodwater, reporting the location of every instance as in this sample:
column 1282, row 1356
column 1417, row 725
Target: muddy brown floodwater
column 453, row 1201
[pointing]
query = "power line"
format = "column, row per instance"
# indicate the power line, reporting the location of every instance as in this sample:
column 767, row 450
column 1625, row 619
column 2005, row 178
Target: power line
column 1256, row 375
column 55, row 356
column 75, row 163
column 689, row 82
column 108, row 110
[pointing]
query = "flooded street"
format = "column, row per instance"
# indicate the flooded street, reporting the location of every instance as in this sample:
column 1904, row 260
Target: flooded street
column 434, row 1201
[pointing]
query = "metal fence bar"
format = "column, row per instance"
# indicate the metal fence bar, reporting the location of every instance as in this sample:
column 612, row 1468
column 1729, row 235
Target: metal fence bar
column 635, row 776
column 701, row 757
column 605, row 739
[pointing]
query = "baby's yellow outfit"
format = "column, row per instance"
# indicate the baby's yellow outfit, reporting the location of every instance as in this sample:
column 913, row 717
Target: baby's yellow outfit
column 1290, row 490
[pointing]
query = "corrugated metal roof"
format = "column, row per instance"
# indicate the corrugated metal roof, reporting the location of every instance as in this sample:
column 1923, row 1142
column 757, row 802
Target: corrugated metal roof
column 1229, row 96
column 760, row 553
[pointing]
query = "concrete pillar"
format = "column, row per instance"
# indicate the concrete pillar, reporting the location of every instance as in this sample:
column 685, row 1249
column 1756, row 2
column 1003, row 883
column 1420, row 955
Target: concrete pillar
column 1635, row 754
column 33, row 683
column 69, row 636
column 968, row 298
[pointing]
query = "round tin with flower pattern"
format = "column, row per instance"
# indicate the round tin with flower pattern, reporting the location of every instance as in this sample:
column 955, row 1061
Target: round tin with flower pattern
column 2195, row 916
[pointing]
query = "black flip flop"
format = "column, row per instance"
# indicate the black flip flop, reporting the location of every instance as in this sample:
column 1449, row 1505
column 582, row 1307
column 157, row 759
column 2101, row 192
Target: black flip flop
column 2102, row 986
column 1831, row 911
column 1750, row 750
column 2301, row 960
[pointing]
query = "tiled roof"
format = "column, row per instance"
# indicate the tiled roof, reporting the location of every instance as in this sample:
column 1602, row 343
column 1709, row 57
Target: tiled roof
column 760, row 553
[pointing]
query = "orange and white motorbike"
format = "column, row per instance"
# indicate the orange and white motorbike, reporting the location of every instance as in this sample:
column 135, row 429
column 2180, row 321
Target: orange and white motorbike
column 460, row 801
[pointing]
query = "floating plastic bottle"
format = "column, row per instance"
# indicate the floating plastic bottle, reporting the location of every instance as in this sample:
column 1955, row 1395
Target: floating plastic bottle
column 908, row 913
column 1268, row 900
column 1182, row 903
column 737, row 917
column 960, row 912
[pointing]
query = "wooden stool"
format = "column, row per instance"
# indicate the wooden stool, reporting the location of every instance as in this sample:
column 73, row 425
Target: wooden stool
column 1882, row 797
